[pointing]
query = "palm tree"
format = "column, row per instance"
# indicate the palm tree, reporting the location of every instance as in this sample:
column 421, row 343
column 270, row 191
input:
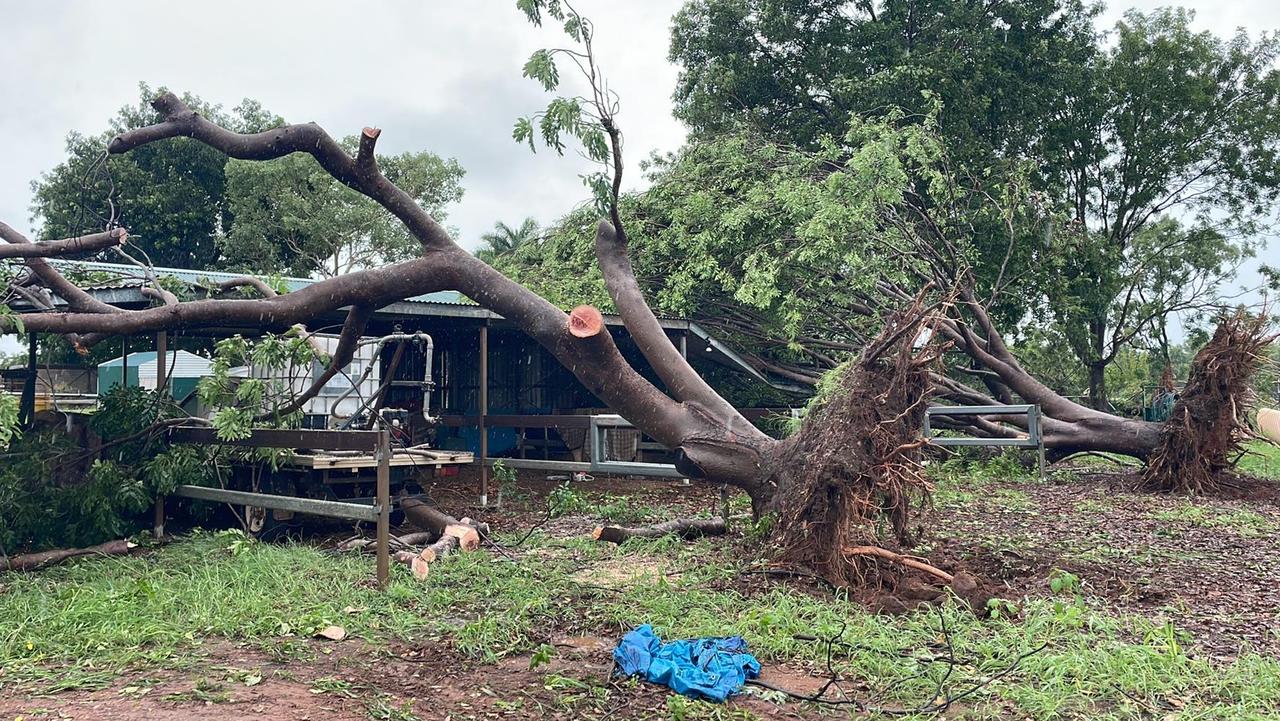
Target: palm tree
column 504, row 239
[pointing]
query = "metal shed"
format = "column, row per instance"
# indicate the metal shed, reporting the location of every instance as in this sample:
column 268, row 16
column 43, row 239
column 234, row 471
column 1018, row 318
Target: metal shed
column 183, row 369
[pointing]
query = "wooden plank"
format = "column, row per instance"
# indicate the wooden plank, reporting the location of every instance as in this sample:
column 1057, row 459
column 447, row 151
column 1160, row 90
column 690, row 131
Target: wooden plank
column 321, row 461
column 282, row 438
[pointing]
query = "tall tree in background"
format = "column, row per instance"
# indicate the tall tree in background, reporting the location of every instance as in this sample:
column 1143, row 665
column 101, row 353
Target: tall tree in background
column 1175, row 123
column 1164, row 121
column 505, row 240
column 188, row 206
column 292, row 217
column 172, row 196
column 795, row 72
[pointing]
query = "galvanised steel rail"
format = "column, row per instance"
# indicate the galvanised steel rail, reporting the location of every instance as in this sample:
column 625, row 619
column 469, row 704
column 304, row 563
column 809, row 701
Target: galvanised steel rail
column 1033, row 439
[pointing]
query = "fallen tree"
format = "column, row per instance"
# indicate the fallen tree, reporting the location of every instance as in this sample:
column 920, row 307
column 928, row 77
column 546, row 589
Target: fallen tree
column 41, row 559
column 713, row 441
column 853, row 463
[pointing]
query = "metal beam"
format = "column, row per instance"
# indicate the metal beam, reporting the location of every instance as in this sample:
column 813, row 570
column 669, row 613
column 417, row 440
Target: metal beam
column 1017, row 410
column 484, row 411
column 383, row 492
column 513, row 421
column 311, row 506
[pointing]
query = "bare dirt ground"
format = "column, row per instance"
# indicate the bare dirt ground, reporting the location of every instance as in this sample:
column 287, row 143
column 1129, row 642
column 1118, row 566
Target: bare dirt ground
column 1209, row 564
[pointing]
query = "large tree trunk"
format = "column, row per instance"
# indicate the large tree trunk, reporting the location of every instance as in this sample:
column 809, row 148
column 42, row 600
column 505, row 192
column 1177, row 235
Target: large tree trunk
column 1098, row 386
column 1097, row 366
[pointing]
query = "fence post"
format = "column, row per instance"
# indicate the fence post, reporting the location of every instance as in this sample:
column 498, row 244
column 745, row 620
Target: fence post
column 162, row 388
column 384, row 506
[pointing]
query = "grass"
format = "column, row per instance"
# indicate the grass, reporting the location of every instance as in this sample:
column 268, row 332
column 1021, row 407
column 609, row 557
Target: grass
column 1262, row 460
column 86, row 623
column 1241, row 521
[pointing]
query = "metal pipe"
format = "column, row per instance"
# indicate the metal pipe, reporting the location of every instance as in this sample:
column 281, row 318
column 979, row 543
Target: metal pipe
column 312, row 506
column 428, row 352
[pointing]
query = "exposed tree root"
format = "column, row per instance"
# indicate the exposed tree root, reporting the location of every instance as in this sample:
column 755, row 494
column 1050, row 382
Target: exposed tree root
column 33, row 561
column 686, row 528
column 1203, row 435
column 854, row 468
column 901, row 560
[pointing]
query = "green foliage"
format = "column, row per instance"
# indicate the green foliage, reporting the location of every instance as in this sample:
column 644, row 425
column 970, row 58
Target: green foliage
column 541, row 655
column 187, row 205
column 587, row 119
column 55, row 494
column 504, row 239
column 292, row 217
column 770, row 245
column 9, row 407
column 241, row 404
column 1157, row 121
column 1064, row 582
column 170, row 194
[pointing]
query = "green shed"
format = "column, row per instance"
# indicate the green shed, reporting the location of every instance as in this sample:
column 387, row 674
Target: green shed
column 109, row 372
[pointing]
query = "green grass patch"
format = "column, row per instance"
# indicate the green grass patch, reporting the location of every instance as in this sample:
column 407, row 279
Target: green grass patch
column 1262, row 460
column 85, row 623
column 1242, row 521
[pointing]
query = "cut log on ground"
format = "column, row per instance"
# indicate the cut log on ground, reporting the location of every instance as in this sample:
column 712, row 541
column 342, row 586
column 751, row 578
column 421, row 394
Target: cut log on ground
column 424, row 516
column 686, row 528
column 447, row 544
column 420, row 562
column 33, row 561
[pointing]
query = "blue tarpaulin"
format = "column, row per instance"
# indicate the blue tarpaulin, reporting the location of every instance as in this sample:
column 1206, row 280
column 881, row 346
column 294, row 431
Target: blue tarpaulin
column 710, row 668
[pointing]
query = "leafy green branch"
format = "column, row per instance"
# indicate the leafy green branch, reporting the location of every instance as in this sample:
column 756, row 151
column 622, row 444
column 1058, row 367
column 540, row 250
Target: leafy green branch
column 589, row 119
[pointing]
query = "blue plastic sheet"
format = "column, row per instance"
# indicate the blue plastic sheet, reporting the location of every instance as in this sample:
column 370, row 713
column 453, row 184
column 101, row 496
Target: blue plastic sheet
column 709, row 668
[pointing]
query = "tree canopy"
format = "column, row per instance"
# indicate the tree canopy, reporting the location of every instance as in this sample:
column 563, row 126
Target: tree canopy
column 1151, row 150
column 189, row 206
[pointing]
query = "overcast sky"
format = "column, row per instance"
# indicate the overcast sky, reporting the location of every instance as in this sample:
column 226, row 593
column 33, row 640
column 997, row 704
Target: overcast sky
column 439, row 75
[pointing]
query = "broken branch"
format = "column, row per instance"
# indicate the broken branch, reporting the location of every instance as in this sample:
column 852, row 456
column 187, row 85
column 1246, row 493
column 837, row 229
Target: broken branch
column 686, row 528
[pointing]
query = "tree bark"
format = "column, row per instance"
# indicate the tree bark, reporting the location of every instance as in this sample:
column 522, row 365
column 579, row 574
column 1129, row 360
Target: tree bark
column 34, row 561
column 831, row 461
column 686, row 528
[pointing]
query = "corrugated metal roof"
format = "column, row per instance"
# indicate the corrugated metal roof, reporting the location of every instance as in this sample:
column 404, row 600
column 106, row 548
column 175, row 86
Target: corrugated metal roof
column 131, row 276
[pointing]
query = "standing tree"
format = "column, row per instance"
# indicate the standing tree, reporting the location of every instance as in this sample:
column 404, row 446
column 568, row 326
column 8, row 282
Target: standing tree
column 1164, row 121
column 188, row 206
column 292, row 217
column 505, row 240
column 1174, row 122
column 172, row 195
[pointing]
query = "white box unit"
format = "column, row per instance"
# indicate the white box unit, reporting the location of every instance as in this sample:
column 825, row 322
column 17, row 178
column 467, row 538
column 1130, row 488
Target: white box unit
column 298, row 379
